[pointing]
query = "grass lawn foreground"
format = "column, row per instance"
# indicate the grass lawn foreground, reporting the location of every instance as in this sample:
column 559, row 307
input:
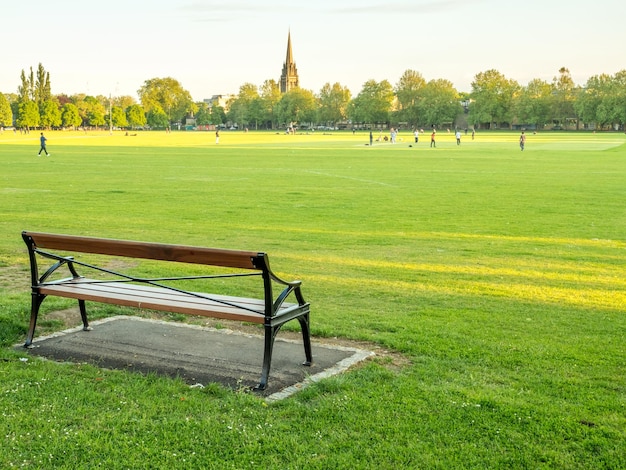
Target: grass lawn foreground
column 498, row 276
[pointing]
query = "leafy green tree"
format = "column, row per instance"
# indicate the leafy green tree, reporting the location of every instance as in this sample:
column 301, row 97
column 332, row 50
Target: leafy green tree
column 156, row 118
column 256, row 112
column 165, row 95
column 203, row 115
column 83, row 107
column 564, row 95
column 373, row 104
column 70, row 117
column 37, row 91
column 493, row 96
column 440, row 103
column 591, row 98
column 603, row 101
column 118, row 117
column 6, row 115
column 619, row 87
column 409, row 93
column 333, row 103
column 50, row 114
column 28, row 115
column 270, row 97
column 605, row 114
column 136, row 116
column 42, row 90
column 26, row 90
column 96, row 112
column 242, row 109
column 218, row 115
column 15, row 109
column 532, row 104
column 297, row 106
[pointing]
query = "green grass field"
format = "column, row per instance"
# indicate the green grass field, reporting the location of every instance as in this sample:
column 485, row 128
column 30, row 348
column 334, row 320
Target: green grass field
column 499, row 275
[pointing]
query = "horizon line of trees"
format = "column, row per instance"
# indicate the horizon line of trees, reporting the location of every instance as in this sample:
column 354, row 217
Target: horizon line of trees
column 494, row 102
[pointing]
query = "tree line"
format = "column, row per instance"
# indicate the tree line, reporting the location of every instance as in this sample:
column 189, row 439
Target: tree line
column 495, row 101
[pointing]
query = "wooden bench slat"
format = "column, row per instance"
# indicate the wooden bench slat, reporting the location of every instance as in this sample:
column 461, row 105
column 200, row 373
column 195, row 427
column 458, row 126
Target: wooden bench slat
column 157, row 299
column 159, row 292
column 147, row 250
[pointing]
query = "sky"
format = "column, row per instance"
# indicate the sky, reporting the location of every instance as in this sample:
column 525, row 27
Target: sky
column 212, row 47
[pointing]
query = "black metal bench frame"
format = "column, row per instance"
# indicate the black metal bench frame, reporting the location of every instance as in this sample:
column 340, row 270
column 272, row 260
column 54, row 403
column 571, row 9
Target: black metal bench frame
column 153, row 294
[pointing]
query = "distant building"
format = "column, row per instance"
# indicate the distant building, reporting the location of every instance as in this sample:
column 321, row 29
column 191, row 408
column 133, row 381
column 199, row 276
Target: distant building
column 219, row 100
column 289, row 78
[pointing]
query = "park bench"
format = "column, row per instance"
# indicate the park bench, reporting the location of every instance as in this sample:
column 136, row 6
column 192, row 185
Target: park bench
column 62, row 279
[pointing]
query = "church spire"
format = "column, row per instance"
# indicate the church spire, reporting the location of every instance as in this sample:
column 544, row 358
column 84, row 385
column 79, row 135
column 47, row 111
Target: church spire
column 289, row 78
column 289, row 59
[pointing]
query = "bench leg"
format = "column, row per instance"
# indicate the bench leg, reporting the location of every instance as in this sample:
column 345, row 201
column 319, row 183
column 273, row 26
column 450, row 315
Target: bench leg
column 83, row 315
column 36, row 300
column 270, row 335
column 306, row 339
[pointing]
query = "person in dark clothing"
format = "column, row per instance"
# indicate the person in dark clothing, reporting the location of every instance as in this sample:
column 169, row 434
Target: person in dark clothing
column 42, row 140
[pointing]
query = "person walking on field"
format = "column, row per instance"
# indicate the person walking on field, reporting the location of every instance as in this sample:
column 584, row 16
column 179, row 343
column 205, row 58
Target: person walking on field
column 416, row 134
column 432, row 139
column 42, row 140
column 217, row 136
column 458, row 137
column 522, row 141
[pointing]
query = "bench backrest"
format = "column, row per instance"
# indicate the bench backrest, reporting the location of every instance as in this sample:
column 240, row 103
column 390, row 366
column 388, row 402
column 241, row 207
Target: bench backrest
column 157, row 251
